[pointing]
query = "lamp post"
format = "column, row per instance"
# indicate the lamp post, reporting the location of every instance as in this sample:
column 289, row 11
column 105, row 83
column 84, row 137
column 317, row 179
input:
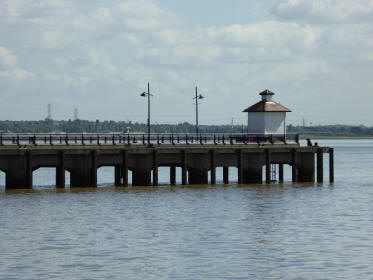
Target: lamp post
column 198, row 96
column 144, row 94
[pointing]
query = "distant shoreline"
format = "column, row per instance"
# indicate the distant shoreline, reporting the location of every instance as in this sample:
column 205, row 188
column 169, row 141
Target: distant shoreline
column 316, row 137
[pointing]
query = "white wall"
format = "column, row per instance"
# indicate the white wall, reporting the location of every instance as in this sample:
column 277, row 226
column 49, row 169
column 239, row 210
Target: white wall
column 274, row 122
column 266, row 122
column 256, row 122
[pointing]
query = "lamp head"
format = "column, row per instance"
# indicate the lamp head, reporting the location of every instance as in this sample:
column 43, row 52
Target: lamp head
column 143, row 94
column 201, row 96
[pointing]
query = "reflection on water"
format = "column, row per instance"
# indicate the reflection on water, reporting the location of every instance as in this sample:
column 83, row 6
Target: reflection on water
column 202, row 232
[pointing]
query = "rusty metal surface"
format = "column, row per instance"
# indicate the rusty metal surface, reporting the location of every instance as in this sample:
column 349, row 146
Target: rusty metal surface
column 266, row 106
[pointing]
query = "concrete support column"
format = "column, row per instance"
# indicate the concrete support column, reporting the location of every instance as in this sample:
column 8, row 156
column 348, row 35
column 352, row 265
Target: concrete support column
column 17, row 180
column 28, row 170
column 19, row 175
column 294, row 169
column 268, row 166
column 331, row 165
column 81, row 178
column 141, row 178
column 213, row 166
column 253, row 175
column 239, row 167
column 93, row 169
column 281, row 173
column 306, row 167
column 226, row 175
column 117, row 175
column 183, row 168
column 125, row 168
column 84, row 173
column 320, row 166
column 60, row 171
column 155, row 168
column 173, row 175
column 197, row 177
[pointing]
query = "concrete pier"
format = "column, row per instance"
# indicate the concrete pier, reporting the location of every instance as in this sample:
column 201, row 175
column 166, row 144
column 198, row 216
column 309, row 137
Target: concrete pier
column 195, row 161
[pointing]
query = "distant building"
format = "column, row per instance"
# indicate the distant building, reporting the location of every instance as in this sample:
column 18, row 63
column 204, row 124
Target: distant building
column 266, row 116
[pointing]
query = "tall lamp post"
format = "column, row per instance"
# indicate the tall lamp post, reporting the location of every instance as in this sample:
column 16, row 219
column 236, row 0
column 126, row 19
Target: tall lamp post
column 198, row 96
column 144, row 94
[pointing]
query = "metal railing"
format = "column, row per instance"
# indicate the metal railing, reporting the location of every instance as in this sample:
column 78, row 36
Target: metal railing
column 117, row 138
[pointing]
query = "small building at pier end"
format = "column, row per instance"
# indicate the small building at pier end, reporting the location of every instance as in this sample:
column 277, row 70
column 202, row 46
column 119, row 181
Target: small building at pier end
column 267, row 116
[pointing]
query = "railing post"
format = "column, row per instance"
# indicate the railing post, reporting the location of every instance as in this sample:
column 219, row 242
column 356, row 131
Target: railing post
column 128, row 139
column 178, row 139
column 17, row 139
column 215, row 139
column 50, row 139
column 83, row 139
column 200, row 139
column 158, row 139
column 90, row 139
column 297, row 138
column 1, row 139
column 186, row 139
column 60, row 140
column 231, row 139
column 172, row 139
column 223, row 139
column 98, row 139
column 76, row 140
column 143, row 139
column 113, row 139
column 66, row 139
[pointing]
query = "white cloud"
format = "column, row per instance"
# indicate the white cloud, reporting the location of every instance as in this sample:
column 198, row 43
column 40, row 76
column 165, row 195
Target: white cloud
column 109, row 50
column 9, row 70
column 325, row 11
column 7, row 59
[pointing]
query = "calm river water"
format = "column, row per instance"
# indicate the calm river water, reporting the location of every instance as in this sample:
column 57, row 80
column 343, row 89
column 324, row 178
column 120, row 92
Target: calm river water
column 288, row 231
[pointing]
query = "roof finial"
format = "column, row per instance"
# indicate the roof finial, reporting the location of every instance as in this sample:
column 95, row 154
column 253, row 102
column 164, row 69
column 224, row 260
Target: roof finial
column 266, row 95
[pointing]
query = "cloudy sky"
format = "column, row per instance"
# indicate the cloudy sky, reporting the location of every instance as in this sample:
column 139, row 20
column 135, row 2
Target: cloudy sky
column 98, row 55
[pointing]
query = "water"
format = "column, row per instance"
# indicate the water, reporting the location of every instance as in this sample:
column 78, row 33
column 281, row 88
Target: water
column 300, row 231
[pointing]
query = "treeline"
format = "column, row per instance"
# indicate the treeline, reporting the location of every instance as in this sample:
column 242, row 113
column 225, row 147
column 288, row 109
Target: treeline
column 77, row 126
column 332, row 130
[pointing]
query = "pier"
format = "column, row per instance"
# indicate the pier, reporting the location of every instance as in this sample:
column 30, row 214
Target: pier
column 198, row 156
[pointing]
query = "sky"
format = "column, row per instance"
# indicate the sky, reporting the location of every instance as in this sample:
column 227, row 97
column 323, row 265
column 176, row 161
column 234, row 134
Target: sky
column 98, row 55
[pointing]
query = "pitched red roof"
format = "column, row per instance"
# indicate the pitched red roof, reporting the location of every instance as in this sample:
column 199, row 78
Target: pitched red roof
column 266, row 106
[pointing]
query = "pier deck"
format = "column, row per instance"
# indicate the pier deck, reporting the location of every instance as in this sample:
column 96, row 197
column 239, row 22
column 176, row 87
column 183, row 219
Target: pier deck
column 196, row 159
